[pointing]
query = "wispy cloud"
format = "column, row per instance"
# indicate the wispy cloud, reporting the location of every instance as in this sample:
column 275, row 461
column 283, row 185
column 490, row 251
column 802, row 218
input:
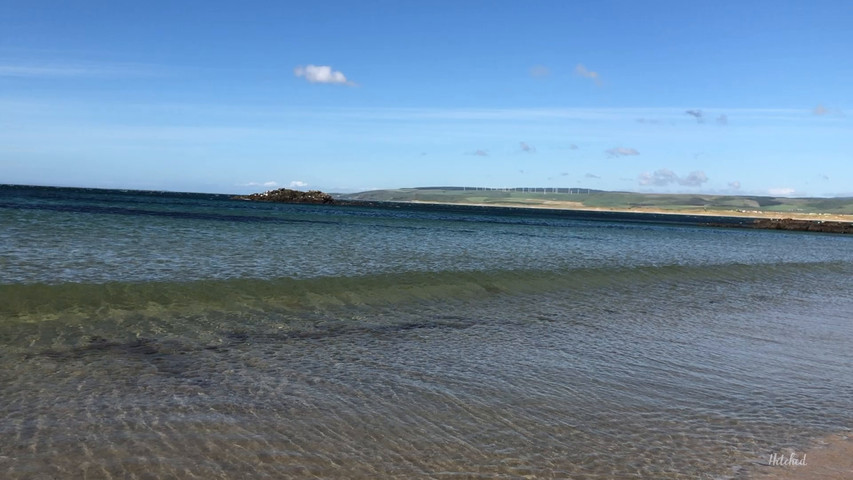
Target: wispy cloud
column 71, row 70
column 661, row 177
column 539, row 71
column 664, row 177
column 527, row 148
column 259, row 184
column 573, row 147
column 666, row 115
column 693, row 179
column 591, row 175
column 723, row 120
column 585, row 73
column 480, row 153
column 621, row 152
column 697, row 114
column 823, row 111
column 321, row 74
column 230, row 111
column 735, row 185
column 781, row 191
column 41, row 71
column 298, row 184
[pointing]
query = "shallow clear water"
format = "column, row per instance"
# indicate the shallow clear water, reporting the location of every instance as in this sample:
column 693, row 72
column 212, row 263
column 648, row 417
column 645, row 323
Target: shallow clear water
column 183, row 336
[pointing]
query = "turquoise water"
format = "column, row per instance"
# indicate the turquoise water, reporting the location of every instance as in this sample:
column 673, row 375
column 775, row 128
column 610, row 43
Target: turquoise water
column 158, row 335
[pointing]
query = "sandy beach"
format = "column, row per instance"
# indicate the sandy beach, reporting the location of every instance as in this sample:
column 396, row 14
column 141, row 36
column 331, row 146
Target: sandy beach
column 831, row 458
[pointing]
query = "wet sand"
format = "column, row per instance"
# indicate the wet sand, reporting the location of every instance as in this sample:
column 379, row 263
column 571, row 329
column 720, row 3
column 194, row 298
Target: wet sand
column 831, row 458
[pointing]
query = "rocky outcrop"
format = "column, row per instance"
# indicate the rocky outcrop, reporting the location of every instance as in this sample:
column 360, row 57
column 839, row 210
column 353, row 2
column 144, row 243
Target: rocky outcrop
column 804, row 225
column 286, row 195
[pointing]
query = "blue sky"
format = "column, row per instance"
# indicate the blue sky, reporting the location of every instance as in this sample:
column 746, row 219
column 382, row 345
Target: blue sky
column 749, row 97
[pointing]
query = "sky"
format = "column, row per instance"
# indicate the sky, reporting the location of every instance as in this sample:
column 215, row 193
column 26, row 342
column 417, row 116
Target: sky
column 726, row 97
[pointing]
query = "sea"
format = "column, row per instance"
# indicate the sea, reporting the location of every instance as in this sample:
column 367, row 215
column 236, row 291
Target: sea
column 162, row 335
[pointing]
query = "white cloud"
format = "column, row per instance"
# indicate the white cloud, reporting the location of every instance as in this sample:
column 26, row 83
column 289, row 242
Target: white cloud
column 583, row 72
column 621, row 151
column 782, row 191
column 298, row 184
column 664, row 177
column 321, row 74
column 735, row 185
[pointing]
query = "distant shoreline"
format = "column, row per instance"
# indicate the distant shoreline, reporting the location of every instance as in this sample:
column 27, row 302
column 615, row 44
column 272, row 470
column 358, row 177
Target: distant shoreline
column 812, row 214
column 657, row 211
column 813, row 222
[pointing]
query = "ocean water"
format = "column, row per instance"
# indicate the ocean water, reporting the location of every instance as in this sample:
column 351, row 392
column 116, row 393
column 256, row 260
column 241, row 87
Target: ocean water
column 160, row 335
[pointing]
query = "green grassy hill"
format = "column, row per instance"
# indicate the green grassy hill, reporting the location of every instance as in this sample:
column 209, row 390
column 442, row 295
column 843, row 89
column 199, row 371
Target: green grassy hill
column 613, row 200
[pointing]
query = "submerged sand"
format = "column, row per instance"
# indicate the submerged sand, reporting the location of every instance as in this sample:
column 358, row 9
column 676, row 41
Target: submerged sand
column 831, row 458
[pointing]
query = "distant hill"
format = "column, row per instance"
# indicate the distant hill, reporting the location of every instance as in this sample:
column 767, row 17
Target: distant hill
column 585, row 199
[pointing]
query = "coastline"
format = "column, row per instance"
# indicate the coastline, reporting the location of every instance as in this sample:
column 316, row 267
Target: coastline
column 813, row 222
column 830, row 458
column 819, row 222
column 755, row 215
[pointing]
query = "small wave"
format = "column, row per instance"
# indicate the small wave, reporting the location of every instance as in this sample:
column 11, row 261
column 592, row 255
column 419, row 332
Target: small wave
column 38, row 302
